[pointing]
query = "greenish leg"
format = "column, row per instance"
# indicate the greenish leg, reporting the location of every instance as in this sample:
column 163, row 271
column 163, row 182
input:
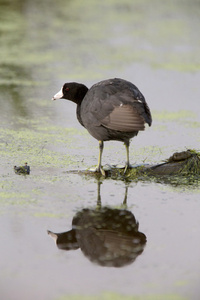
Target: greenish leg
column 127, row 166
column 99, row 168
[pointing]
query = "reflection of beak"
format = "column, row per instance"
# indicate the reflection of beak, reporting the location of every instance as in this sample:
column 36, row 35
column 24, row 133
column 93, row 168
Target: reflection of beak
column 59, row 95
column 52, row 234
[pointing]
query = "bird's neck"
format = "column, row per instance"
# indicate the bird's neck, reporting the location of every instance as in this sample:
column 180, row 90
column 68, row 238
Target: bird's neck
column 78, row 114
column 80, row 94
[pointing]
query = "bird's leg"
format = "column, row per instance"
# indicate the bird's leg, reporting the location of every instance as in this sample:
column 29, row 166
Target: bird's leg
column 127, row 166
column 99, row 168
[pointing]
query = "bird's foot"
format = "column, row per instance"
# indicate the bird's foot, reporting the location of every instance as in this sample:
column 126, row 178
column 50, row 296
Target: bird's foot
column 98, row 170
column 127, row 166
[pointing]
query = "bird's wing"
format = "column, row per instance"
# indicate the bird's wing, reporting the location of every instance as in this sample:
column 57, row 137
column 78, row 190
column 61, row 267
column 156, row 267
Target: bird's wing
column 116, row 104
column 124, row 118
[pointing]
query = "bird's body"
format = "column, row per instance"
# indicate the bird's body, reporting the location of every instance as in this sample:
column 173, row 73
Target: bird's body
column 112, row 109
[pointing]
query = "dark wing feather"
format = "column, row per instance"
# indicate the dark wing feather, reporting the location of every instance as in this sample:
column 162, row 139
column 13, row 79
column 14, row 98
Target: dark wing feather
column 124, row 118
column 116, row 104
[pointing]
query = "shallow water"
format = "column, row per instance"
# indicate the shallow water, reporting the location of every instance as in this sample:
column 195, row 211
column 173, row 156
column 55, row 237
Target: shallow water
column 158, row 50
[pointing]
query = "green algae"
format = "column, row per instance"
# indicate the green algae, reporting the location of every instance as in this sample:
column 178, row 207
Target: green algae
column 180, row 115
column 34, row 146
column 71, row 41
column 192, row 165
column 13, row 195
column 45, row 147
column 186, row 176
column 115, row 296
column 130, row 33
column 186, row 118
column 47, row 215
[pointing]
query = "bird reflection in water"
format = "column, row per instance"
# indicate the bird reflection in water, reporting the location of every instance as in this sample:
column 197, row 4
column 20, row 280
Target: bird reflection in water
column 107, row 236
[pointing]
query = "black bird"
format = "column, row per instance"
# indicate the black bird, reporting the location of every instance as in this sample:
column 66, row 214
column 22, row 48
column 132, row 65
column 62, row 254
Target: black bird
column 112, row 109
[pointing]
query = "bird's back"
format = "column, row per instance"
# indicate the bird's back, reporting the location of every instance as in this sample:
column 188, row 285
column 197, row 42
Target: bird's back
column 117, row 105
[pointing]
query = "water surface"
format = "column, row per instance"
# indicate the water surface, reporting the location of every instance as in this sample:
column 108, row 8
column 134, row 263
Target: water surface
column 43, row 44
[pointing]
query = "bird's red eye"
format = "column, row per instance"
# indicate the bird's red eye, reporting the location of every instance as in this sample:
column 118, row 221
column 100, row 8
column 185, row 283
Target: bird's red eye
column 67, row 89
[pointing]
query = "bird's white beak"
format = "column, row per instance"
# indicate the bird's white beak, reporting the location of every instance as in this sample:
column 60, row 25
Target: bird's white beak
column 59, row 95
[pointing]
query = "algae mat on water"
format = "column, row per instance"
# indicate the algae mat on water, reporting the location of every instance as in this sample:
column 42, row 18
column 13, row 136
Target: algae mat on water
column 113, row 296
column 44, row 147
column 131, row 32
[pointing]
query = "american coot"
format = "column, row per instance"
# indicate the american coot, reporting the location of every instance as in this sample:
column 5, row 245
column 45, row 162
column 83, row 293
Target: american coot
column 112, row 109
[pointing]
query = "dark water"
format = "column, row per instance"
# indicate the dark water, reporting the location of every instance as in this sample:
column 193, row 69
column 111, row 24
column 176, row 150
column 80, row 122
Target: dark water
column 43, row 44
